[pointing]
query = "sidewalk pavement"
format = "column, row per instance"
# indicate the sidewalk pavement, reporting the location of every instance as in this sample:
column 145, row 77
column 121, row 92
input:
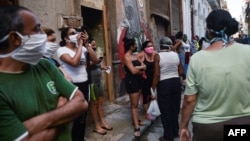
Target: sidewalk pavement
column 118, row 115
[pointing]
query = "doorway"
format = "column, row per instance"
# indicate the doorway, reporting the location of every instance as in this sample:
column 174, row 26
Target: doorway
column 8, row 2
column 92, row 18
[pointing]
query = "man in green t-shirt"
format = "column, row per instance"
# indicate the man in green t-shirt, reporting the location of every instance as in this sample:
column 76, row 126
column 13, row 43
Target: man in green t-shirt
column 36, row 101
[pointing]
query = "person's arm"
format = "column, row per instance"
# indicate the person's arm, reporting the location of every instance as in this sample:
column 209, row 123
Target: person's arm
column 180, row 69
column 47, row 134
column 140, row 58
column 59, row 116
column 177, row 46
column 74, row 61
column 127, row 61
column 65, row 74
column 186, row 113
column 92, row 54
column 156, row 71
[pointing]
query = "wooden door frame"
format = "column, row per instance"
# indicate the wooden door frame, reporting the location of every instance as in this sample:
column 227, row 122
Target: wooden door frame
column 108, row 56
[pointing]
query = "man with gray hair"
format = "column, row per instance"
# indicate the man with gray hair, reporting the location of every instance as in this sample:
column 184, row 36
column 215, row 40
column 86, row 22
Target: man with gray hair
column 36, row 101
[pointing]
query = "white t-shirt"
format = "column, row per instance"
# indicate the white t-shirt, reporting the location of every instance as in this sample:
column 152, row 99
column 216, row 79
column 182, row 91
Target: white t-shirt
column 79, row 73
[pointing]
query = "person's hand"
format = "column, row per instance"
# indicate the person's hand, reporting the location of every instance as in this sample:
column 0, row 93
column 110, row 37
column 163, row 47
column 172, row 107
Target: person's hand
column 153, row 94
column 144, row 75
column 79, row 40
column 185, row 134
column 61, row 101
column 84, row 36
column 152, row 97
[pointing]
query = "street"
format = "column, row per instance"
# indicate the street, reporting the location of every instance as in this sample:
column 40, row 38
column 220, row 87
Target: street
column 154, row 132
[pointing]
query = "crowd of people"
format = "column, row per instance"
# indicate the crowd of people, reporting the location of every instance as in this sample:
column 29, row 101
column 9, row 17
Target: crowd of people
column 56, row 84
column 53, row 91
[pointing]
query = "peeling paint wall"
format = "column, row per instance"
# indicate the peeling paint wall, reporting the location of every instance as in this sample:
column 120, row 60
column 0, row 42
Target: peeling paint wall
column 131, row 22
column 48, row 11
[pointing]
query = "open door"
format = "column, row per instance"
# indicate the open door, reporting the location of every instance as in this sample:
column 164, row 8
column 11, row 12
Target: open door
column 96, row 22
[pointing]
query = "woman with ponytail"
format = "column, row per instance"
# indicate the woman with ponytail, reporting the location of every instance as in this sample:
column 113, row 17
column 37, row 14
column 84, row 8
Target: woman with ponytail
column 133, row 78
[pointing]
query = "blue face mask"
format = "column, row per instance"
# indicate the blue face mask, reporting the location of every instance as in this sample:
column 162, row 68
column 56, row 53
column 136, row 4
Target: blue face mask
column 31, row 49
column 223, row 37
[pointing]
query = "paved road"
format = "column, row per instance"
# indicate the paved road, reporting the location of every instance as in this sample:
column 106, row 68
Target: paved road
column 154, row 132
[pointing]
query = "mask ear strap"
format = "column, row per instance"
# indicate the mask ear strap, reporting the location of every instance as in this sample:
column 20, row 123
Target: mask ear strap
column 4, row 38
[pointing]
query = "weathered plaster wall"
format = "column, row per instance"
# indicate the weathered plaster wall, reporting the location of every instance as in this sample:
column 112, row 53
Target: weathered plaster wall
column 132, row 22
column 48, row 11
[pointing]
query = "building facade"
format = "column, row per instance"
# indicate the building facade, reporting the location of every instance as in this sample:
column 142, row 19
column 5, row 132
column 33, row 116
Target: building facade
column 109, row 21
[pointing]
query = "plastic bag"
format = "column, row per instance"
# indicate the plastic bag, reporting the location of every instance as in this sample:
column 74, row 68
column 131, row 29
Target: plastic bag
column 153, row 108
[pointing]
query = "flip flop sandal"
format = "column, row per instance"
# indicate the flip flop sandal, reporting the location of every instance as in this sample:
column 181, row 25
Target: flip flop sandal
column 108, row 127
column 137, row 132
column 98, row 132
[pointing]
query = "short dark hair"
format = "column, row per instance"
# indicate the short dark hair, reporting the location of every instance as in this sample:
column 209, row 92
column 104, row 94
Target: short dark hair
column 48, row 31
column 64, row 33
column 128, row 43
column 219, row 20
column 179, row 35
column 11, row 20
column 144, row 44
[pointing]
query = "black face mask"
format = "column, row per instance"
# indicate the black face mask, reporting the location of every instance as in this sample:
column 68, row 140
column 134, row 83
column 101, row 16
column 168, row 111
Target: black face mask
column 135, row 49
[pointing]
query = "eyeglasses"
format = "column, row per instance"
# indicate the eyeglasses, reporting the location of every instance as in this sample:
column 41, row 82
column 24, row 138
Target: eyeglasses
column 73, row 33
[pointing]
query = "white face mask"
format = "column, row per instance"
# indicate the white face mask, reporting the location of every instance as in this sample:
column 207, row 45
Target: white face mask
column 50, row 49
column 31, row 49
column 73, row 38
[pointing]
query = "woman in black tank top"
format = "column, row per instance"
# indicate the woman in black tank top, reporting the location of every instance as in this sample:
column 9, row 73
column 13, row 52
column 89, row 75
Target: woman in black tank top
column 133, row 71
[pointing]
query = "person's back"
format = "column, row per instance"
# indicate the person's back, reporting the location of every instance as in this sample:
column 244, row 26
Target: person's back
column 169, row 62
column 167, row 81
column 217, row 85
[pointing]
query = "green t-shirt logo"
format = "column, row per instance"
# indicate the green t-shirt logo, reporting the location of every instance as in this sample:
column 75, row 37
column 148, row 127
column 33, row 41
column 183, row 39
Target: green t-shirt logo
column 52, row 87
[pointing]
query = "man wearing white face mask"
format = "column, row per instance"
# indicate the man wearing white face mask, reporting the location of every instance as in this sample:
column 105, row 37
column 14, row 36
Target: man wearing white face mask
column 42, row 101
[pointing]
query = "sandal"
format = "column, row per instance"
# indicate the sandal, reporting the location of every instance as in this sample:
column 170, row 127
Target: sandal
column 100, row 132
column 107, row 127
column 137, row 132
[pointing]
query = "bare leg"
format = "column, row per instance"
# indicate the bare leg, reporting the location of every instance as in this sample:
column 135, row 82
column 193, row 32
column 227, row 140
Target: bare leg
column 94, row 113
column 134, row 100
column 101, row 114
